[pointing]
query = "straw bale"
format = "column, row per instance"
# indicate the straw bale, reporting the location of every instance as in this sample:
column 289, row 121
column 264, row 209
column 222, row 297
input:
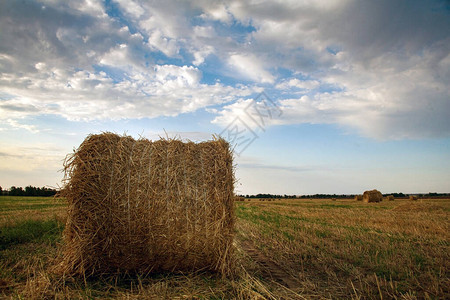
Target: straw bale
column 390, row 198
column 143, row 206
column 412, row 197
column 372, row 196
column 358, row 198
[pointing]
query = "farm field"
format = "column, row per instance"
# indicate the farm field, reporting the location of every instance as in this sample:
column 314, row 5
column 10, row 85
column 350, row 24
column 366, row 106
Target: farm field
column 285, row 249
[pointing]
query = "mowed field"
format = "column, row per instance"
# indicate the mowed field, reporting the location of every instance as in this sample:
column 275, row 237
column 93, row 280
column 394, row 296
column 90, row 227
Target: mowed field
column 285, row 249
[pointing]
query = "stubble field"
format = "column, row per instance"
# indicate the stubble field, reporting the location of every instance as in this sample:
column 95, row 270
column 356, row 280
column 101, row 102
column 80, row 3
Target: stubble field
column 285, row 249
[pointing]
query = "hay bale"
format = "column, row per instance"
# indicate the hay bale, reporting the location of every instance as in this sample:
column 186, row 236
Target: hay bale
column 390, row 198
column 143, row 206
column 358, row 198
column 413, row 198
column 333, row 199
column 372, row 196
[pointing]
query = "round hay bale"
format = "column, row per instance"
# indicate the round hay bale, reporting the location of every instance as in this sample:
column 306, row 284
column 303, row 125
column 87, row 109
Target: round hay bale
column 413, row 198
column 333, row 199
column 390, row 198
column 143, row 206
column 372, row 196
column 358, row 198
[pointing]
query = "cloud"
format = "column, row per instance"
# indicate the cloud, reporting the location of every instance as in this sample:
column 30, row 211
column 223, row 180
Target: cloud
column 165, row 90
column 23, row 158
column 16, row 125
column 250, row 67
column 298, row 84
column 379, row 67
column 275, row 167
column 86, row 65
column 133, row 8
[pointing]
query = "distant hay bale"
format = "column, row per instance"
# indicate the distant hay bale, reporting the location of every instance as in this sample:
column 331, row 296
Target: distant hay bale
column 238, row 198
column 333, row 199
column 358, row 198
column 372, row 196
column 412, row 198
column 143, row 206
column 390, row 198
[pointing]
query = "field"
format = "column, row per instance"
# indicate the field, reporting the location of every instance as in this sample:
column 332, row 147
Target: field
column 285, row 249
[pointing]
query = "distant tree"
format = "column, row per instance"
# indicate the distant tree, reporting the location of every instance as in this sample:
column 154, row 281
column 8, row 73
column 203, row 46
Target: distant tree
column 30, row 191
column 47, row 192
column 1, row 191
column 16, row 191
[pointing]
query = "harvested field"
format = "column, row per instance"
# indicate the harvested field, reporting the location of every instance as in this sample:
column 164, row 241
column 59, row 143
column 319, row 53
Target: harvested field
column 287, row 249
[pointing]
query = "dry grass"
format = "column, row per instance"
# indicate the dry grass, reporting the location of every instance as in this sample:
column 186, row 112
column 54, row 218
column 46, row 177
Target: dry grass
column 390, row 198
column 143, row 206
column 14, row 209
column 326, row 249
column 358, row 198
column 346, row 249
column 372, row 196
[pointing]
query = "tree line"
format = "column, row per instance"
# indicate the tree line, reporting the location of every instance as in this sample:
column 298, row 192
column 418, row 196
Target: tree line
column 323, row 196
column 269, row 196
column 28, row 191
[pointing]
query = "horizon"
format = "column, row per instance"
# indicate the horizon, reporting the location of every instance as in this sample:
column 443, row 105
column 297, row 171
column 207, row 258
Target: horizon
column 333, row 97
column 431, row 194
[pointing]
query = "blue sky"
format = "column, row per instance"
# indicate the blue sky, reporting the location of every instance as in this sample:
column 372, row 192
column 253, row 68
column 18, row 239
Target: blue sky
column 355, row 93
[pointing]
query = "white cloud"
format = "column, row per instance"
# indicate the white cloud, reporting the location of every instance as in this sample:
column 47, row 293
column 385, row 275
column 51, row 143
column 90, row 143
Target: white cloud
column 183, row 76
column 200, row 55
column 131, row 7
column 390, row 81
column 27, row 158
column 378, row 67
column 250, row 67
column 162, row 43
column 14, row 124
column 215, row 11
column 165, row 90
column 298, row 84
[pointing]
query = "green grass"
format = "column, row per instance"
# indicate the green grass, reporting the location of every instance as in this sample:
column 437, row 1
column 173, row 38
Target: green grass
column 16, row 203
column 28, row 231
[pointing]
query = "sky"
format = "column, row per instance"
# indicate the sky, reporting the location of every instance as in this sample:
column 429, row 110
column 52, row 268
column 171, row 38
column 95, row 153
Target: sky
column 335, row 96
